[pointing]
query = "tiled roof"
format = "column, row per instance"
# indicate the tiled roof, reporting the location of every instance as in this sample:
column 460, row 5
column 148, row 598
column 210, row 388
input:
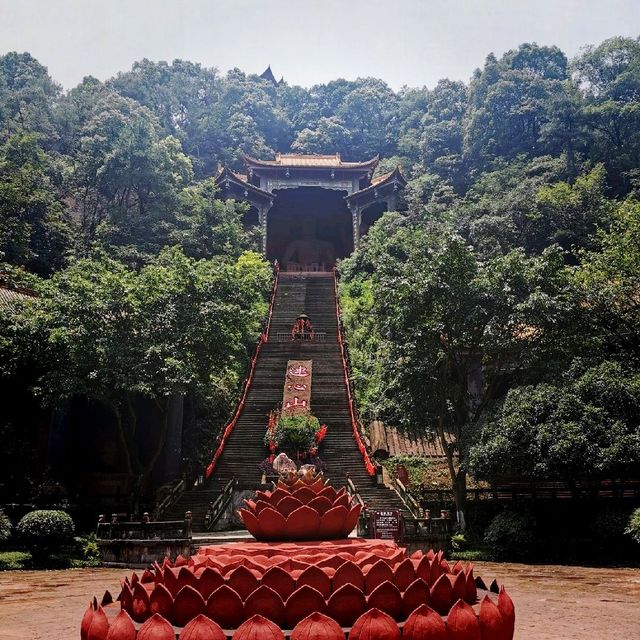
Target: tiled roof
column 380, row 181
column 396, row 442
column 225, row 172
column 9, row 298
column 311, row 160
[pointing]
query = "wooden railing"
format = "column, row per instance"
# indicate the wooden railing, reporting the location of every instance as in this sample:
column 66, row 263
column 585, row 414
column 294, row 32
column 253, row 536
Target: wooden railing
column 171, row 498
column 220, row 504
column 409, row 501
column 285, row 336
column 147, row 529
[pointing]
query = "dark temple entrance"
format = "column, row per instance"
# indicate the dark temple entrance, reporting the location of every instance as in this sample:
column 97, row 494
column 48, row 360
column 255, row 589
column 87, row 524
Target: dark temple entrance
column 309, row 228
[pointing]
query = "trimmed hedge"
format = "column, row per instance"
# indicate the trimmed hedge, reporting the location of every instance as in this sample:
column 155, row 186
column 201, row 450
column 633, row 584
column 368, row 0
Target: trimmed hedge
column 46, row 530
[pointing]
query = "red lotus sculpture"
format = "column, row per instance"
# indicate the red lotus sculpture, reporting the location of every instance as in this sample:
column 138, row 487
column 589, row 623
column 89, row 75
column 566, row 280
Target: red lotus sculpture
column 313, row 583
column 306, row 508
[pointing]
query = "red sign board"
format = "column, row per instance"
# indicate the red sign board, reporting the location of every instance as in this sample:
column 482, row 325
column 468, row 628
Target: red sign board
column 386, row 525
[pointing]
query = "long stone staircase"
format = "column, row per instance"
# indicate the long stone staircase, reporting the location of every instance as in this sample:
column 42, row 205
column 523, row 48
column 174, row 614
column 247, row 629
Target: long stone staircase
column 313, row 294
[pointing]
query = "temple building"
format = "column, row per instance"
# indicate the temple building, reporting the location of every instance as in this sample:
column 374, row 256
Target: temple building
column 312, row 209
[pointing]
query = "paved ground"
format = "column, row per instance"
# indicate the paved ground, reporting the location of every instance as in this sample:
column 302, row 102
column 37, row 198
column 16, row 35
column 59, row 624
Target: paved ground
column 552, row 602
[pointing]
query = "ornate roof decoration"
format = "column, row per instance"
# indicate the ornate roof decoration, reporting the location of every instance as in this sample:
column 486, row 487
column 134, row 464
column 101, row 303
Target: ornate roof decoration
column 393, row 178
column 311, row 161
column 226, row 178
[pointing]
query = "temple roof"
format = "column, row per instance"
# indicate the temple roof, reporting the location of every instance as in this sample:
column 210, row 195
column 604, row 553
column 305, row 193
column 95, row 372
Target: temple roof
column 381, row 181
column 311, row 161
column 224, row 173
column 267, row 74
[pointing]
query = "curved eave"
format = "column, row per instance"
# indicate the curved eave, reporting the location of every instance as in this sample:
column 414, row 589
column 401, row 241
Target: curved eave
column 226, row 176
column 392, row 178
column 368, row 165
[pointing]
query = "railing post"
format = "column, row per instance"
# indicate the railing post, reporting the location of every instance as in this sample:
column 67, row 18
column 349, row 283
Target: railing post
column 188, row 517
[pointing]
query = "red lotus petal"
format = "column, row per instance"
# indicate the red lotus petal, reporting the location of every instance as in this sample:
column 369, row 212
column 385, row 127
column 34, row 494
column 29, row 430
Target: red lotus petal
column 316, row 578
column 171, row 581
column 445, row 566
column 416, row 595
column 210, row 579
column 321, row 504
column 424, row 623
column 261, row 505
column 201, row 628
column 374, row 625
column 303, row 602
column 258, row 628
column 242, row 581
column 167, row 563
column 457, row 568
column 404, row 574
column 156, row 628
column 287, row 505
column 442, row 595
column 277, row 495
column 317, row 485
column 462, row 623
column 263, row 495
column 505, row 605
column 435, row 571
column 225, row 607
column 280, row 581
column 378, row 573
column 126, row 598
column 251, row 505
column 470, row 591
column 147, row 577
column 186, row 577
column 492, row 623
column 251, row 522
column 303, row 524
column 341, row 491
column 352, row 519
column 181, row 561
column 304, row 494
column 134, row 579
column 140, row 609
column 348, row 573
column 86, row 621
column 328, row 492
column 423, row 570
column 161, row 601
column 459, row 586
column 187, row 605
column 122, row 628
column 344, row 500
column 98, row 626
column 272, row 524
column 346, row 604
column 317, row 627
column 266, row 602
column 387, row 598
column 332, row 522
column 430, row 555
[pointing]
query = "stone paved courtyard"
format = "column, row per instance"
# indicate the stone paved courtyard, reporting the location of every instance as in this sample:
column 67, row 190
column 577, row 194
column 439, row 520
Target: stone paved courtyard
column 552, row 602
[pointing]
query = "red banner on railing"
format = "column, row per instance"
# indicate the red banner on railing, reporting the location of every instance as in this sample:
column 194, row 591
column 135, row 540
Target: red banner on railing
column 370, row 467
column 264, row 337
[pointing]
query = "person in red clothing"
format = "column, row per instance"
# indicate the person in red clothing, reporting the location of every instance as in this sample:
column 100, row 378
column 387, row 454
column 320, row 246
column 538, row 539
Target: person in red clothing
column 302, row 328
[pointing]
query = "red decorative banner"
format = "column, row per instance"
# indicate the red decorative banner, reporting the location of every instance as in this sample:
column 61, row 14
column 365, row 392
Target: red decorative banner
column 297, row 386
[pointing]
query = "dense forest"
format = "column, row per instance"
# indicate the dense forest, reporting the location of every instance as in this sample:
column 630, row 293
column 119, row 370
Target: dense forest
column 516, row 253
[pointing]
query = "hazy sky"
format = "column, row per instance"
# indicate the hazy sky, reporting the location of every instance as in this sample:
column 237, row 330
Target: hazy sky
column 412, row 42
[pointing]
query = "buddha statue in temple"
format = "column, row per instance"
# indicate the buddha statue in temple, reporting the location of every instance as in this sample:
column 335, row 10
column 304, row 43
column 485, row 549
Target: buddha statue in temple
column 308, row 249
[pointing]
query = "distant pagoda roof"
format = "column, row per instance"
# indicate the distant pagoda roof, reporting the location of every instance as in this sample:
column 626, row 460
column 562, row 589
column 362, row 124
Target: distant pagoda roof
column 309, row 161
column 267, row 74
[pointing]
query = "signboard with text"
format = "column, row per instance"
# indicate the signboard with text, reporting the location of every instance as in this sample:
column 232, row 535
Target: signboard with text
column 386, row 525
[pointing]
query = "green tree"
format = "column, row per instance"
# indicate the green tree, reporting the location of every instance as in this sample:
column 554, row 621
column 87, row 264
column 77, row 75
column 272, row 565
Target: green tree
column 455, row 329
column 586, row 428
column 178, row 326
column 33, row 229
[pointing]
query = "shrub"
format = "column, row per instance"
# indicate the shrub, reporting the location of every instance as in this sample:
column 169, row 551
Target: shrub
column 45, row 531
column 459, row 542
column 633, row 528
column 294, row 432
column 510, row 535
column 5, row 527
